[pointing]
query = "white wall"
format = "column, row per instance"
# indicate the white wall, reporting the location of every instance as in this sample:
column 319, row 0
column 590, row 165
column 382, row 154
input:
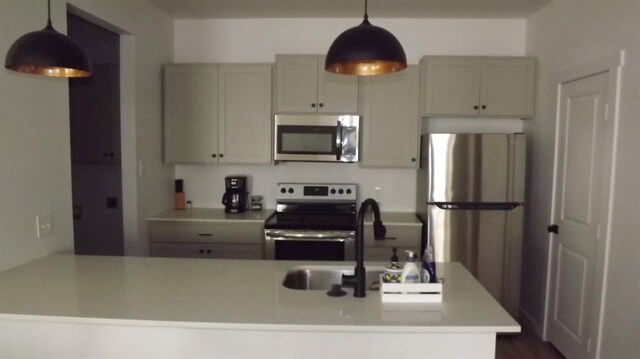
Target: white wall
column 35, row 172
column 564, row 35
column 259, row 40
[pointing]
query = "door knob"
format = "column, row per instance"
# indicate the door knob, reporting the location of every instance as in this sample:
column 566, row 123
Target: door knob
column 553, row 228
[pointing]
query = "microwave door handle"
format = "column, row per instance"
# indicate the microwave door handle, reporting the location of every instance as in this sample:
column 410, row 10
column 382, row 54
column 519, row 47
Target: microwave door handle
column 339, row 141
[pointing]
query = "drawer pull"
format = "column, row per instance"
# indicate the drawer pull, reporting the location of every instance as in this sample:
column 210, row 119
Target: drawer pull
column 205, row 234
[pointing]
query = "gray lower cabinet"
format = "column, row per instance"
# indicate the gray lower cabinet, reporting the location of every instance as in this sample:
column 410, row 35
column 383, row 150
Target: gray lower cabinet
column 404, row 237
column 206, row 250
column 233, row 240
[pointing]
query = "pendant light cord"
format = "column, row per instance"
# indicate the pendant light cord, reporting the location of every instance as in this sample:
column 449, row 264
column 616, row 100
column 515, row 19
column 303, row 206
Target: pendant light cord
column 49, row 26
column 366, row 16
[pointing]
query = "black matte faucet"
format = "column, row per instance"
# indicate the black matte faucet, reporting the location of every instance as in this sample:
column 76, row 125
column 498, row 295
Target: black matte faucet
column 358, row 279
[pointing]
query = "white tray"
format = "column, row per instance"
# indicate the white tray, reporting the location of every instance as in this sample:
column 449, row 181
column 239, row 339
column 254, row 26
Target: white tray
column 411, row 292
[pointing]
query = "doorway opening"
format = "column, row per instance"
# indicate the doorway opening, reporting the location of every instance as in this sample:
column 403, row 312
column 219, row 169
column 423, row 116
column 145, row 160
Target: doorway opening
column 95, row 121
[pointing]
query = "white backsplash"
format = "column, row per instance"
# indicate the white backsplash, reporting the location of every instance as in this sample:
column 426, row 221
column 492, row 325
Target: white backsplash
column 394, row 188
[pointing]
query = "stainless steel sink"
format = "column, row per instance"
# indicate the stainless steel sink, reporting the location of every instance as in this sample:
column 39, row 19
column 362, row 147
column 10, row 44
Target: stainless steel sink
column 318, row 277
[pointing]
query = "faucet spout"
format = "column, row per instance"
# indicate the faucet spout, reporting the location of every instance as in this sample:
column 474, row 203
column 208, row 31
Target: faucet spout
column 379, row 231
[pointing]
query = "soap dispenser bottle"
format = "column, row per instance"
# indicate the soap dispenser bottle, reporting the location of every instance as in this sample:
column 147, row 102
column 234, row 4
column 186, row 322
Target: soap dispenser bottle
column 410, row 272
column 429, row 266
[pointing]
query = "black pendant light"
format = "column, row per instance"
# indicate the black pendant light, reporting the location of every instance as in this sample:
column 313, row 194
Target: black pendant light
column 48, row 53
column 365, row 50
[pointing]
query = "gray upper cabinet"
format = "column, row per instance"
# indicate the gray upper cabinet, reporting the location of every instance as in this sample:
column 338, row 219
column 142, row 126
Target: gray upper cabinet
column 390, row 127
column 478, row 86
column 190, row 113
column 217, row 113
column 244, row 113
column 303, row 86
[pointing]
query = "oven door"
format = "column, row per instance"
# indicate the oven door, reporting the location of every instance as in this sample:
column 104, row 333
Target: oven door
column 327, row 245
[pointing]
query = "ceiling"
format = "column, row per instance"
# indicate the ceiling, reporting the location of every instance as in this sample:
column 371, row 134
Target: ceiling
column 229, row 9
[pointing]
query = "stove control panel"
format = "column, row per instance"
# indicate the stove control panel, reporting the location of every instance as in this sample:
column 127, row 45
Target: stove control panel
column 317, row 191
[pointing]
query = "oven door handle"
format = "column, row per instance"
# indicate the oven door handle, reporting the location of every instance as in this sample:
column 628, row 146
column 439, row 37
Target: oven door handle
column 311, row 236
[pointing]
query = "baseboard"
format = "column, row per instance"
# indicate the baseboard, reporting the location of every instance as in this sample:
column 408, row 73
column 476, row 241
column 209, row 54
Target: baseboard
column 530, row 324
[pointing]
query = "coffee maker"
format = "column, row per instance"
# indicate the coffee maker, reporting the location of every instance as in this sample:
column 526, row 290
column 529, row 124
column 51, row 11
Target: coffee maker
column 235, row 196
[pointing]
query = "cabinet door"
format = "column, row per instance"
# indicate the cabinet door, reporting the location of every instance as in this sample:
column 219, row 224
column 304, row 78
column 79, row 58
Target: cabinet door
column 209, row 250
column 190, row 113
column 451, row 85
column 405, row 236
column 391, row 120
column 336, row 93
column 296, row 83
column 244, row 113
column 508, row 87
column 95, row 116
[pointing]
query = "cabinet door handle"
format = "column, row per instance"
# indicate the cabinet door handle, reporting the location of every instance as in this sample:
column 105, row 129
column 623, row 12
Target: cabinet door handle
column 213, row 155
column 201, row 251
column 221, row 155
column 205, row 234
column 413, row 159
column 475, row 107
column 313, row 105
column 484, row 107
column 321, row 104
column 208, row 251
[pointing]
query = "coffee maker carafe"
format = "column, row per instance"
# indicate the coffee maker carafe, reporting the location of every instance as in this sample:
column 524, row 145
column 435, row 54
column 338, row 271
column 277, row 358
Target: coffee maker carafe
column 235, row 197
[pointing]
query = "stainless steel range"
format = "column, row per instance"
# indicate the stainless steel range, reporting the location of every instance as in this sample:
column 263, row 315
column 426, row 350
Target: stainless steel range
column 313, row 221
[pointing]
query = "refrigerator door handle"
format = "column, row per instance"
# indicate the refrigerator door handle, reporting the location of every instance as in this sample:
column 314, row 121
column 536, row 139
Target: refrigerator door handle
column 477, row 206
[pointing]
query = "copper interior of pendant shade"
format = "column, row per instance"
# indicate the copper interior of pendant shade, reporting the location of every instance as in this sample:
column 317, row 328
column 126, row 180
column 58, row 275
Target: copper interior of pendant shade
column 366, row 68
column 49, row 71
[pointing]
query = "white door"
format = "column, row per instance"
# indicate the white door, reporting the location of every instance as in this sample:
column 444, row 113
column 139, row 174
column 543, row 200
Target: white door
column 577, row 213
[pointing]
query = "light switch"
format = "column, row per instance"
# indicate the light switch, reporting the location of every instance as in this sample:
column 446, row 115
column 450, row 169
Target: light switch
column 44, row 225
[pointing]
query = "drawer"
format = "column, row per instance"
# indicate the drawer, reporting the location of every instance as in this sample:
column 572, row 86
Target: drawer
column 220, row 232
column 206, row 250
column 404, row 236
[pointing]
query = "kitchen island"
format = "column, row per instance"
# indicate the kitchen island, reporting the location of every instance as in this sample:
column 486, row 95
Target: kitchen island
column 88, row 306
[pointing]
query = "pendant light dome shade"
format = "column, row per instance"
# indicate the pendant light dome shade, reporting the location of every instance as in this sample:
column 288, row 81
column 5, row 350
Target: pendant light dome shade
column 48, row 53
column 365, row 50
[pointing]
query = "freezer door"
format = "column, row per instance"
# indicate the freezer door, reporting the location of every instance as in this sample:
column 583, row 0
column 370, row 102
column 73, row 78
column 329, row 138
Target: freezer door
column 487, row 242
column 465, row 168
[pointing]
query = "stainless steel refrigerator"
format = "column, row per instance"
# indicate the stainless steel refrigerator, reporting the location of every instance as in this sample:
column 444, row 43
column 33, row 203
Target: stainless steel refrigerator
column 470, row 198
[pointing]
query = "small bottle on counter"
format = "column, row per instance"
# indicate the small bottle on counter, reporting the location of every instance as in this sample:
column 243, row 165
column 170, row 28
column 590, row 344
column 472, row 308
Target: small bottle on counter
column 429, row 266
column 179, row 195
column 392, row 271
column 410, row 272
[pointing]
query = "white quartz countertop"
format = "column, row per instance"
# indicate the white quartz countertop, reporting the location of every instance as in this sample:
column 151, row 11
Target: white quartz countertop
column 219, row 215
column 211, row 215
column 229, row 294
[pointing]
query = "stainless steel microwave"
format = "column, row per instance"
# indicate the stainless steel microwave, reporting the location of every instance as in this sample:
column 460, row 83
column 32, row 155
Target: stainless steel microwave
column 316, row 138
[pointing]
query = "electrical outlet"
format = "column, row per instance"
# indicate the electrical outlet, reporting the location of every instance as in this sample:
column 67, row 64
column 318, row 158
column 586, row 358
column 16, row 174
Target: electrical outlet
column 44, row 225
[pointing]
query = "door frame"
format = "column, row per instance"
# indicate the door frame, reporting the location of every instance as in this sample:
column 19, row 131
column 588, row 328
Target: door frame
column 130, row 167
column 614, row 65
